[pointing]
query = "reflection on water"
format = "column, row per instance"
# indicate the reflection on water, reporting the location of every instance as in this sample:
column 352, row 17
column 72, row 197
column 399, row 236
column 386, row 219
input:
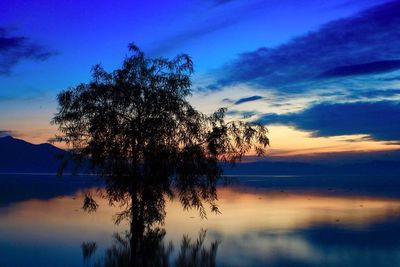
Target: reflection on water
column 156, row 252
column 255, row 228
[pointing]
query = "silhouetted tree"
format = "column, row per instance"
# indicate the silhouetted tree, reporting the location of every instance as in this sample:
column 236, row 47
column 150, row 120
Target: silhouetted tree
column 140, row 133
column 135, row 124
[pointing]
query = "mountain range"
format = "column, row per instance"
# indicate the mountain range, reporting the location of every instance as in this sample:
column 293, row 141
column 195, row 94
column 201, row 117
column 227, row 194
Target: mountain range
column 19, row 156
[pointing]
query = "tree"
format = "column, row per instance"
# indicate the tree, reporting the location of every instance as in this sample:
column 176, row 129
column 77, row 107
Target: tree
column 140, row 133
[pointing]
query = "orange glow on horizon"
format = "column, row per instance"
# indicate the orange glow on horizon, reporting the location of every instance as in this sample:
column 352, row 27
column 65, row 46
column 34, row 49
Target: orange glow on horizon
column 285, row 141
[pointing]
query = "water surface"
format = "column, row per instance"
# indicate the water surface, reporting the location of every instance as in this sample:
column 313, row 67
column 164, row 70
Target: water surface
column 264, row 221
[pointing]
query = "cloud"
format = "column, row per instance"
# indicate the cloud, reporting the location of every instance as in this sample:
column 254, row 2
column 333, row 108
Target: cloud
column 223, row 14
column 391, row 79
column 248, row 99
column 363, row 69
column 366, row 43
column 380, row 120
column 242, row 114
column 188, row 35
column 14, row 49
column 377, row 93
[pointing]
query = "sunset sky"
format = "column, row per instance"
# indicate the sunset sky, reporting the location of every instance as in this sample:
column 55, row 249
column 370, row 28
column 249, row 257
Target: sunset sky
column 324, row 75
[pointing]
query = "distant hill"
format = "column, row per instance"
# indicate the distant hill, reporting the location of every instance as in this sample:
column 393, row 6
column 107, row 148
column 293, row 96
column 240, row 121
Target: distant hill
column 20, row 156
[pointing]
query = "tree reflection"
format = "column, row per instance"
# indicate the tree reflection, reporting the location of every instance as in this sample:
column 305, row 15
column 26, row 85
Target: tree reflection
column 154, row 252
column 143, row 244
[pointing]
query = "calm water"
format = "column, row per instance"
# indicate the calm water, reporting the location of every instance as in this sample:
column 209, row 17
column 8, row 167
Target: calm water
column 265, row 221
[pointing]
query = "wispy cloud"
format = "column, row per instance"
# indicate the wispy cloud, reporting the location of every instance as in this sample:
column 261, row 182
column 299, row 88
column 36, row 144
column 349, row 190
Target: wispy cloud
column 395, row 78
column 376, row 94
column 211, row 16
column 242, row 114
column 198, row 31
column 14, row 49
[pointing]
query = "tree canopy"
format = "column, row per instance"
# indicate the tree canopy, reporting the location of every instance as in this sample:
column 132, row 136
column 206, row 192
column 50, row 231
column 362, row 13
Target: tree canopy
column 136, row 127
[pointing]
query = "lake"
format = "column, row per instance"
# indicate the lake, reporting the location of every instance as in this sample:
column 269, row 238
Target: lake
column 278, row 221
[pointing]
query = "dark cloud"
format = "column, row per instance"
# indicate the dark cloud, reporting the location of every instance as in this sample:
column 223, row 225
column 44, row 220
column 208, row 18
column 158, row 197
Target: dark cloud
column 380, row 120
column 363, row 69
column 365, row 43
column 14, row 49
column 248, row 99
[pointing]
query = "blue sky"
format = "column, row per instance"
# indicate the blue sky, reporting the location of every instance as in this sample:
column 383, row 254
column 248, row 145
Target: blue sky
column 323, row 75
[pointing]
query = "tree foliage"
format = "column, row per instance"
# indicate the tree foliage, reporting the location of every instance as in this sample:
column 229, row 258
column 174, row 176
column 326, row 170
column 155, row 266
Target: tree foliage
column 139, row 131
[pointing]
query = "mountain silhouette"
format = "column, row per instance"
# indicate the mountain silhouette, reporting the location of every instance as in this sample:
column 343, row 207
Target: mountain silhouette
column 17, row 155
